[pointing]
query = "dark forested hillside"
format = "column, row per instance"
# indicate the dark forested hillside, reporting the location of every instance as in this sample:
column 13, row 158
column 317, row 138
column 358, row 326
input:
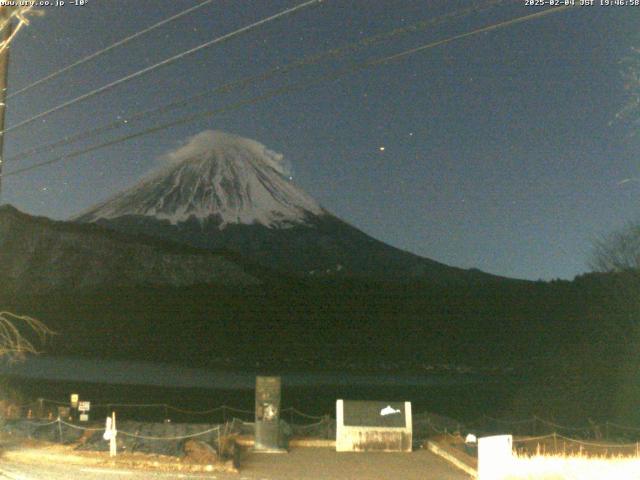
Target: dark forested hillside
column 562, row 338
column 519, row 322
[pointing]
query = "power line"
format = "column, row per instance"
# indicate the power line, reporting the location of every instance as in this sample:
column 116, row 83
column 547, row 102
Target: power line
column 163, row 63
column 109, row 48
column 475, row 32
column 287, row 89
column 247, row 81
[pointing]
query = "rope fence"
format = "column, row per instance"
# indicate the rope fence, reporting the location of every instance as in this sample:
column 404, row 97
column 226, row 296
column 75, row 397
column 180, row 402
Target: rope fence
column 295, row 411
column 601, row 448
column 558, row 444
column 292, row 411
column 622, row 427
column 484, row 420
column 596, row 444
column 180, row 437
column 49, row 408
column 533, row 439
column 524, row 429
column 60, row 430
column 218, row 427
column 535, row 424
column 171, row 438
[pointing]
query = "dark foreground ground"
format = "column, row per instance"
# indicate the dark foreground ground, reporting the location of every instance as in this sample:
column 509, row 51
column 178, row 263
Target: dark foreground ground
column 298, row 464
column 23, row 471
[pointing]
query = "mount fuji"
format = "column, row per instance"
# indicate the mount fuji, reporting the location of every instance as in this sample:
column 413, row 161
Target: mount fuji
column 224, row 192
column 215, row 178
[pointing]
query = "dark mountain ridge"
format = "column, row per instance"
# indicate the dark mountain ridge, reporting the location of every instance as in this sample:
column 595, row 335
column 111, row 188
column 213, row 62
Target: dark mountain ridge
column 39, row 254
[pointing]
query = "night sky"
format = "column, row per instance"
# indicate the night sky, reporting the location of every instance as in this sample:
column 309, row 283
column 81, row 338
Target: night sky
column 500, row 151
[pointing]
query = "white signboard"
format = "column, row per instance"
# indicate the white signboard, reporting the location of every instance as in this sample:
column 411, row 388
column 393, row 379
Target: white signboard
column 363, row 426
column 84, row 417
column 84, row 406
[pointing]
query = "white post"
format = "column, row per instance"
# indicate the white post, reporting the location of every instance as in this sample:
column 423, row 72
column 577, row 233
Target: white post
column 340, row 447
column 114, row 432
column 408, row 417
column 495, row 457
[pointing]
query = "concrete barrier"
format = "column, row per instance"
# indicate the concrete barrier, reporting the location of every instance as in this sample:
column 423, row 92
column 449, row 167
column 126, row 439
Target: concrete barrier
column 447, row 454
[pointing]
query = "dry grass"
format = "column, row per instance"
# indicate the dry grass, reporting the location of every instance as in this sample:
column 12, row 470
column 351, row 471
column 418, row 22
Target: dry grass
column 572, row 467
column 568, row 447
column 42, row 453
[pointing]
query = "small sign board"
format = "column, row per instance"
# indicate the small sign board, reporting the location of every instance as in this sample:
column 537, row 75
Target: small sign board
column 74, row 400
column 84, row 406
column 84, row 417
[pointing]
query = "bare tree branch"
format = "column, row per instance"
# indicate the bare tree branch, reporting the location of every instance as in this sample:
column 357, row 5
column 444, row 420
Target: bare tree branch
column 14, row 345
column 618, row 252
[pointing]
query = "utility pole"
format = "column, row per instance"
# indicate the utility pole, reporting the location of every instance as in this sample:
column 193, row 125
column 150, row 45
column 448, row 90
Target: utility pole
column 5, row 15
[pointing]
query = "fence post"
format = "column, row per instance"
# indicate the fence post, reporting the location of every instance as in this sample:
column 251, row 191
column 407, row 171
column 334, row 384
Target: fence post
column 112, row 440
column 555, row 444
column 60, row 428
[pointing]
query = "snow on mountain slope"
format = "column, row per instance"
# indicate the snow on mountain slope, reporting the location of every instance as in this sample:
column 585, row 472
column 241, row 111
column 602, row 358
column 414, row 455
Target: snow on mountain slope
column 215, row 175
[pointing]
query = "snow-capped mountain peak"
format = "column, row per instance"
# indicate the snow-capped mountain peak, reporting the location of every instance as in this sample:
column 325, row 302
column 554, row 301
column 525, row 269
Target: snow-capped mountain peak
column 215, row 176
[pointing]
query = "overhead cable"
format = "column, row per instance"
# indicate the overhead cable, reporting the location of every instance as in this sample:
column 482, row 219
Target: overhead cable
column 163, row 63
column 286, row 89
column 250, row 80
column 96, row 54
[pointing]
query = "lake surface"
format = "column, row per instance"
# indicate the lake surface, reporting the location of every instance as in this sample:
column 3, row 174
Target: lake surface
column 155, row 374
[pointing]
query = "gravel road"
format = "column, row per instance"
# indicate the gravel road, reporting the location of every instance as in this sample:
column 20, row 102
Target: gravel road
column 299, row 464
column 23, row 471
